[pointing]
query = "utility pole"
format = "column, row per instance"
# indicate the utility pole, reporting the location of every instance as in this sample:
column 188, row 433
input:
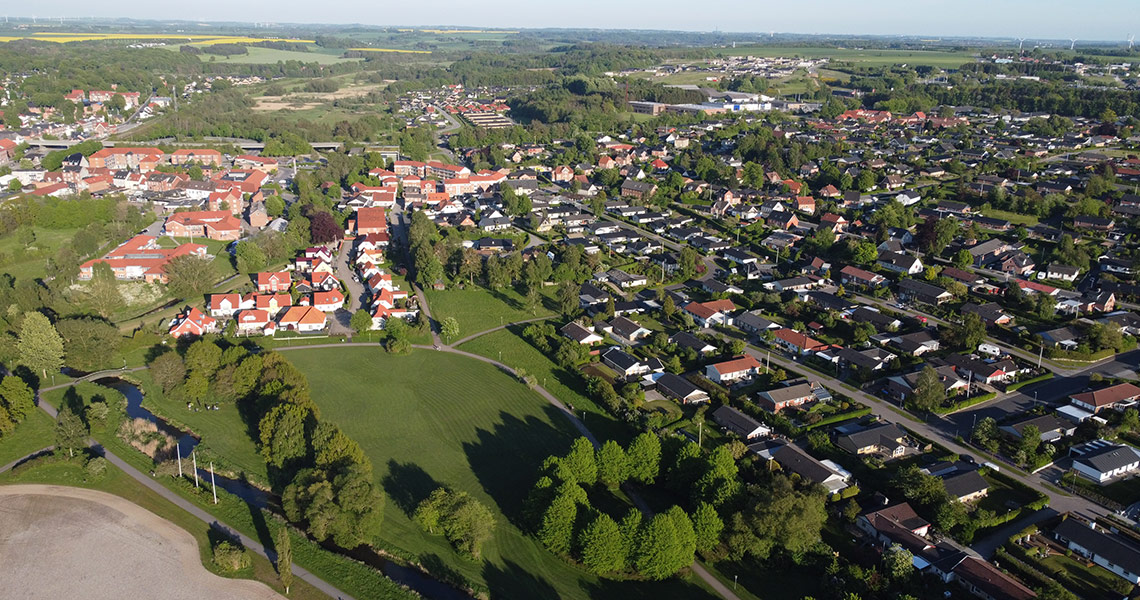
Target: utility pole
column 212, row 484
column 194, row 455
column 1040, row 355
column 179, row 450
column 700, row 434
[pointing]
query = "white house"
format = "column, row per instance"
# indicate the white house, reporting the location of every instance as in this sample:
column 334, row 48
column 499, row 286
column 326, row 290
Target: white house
column 733, row 370
column 1102, row 461
column 1105, row 549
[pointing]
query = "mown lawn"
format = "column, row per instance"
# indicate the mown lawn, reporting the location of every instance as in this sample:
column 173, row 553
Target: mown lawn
column 568, row 386
column 36, row 432
column 429, row 419
column 479, row 309
column 1012, row 217
column 1095, row 583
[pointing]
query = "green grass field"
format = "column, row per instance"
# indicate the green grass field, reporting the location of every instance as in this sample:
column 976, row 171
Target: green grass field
column 224, row 434
column 36, row 432
column 1012, row 217
column 1095, row 583
column 28, row 263
column 568, row 386
column 479, row 309
column 431, row 419
column 259, row 55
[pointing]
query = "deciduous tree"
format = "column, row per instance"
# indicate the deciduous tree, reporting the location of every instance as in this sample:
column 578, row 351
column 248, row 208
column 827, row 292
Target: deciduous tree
column 39, row 344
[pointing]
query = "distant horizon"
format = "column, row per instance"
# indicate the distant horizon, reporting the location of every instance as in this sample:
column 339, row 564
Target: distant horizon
column 1040, row 20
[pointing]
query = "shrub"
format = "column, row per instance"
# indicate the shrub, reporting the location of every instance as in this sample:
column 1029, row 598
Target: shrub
column 96, row 467
column 230, row 557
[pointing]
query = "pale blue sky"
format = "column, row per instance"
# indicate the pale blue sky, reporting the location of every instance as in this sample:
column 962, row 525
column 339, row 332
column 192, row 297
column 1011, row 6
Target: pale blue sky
column 1056, row 19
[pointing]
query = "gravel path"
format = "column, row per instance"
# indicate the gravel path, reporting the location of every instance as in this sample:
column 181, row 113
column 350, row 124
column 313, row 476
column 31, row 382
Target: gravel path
column 62, row 542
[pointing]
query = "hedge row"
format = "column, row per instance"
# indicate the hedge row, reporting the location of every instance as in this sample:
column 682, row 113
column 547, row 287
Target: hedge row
column 968, row 402
column 837, row 417
column 1020, row 384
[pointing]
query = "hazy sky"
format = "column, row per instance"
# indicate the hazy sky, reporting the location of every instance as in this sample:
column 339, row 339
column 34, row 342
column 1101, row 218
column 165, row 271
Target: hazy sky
column 1055, row 19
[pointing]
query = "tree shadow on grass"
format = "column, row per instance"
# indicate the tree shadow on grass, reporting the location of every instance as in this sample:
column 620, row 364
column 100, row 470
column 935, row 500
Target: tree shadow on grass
column 674, row 589
column 506, row 460
column 513, row 581
column 407, row 484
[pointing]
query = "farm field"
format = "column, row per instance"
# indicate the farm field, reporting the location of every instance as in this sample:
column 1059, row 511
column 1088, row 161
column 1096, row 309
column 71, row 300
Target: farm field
column 115, row 481
column 259, row 55
column 479, row 309
column 431, row 419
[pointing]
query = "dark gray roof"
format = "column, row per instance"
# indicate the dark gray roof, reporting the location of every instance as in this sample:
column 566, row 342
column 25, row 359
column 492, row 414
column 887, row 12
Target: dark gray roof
column 685, row 339
column 794, row 459
column 1108, row 546
column 965, row 484
column 735, row 421
column 1109, row 458
column 678, row 387
column 879, row 435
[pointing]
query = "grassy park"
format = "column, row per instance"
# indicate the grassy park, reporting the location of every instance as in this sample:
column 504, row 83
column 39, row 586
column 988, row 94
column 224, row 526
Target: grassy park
column 429, row 419
column 28, row 262
column 36, row 432
column 479, row 309
column 568, row 386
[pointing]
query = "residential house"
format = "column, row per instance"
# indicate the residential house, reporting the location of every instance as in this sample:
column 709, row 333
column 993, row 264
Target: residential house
column 1062, row 272
column 330, row 301
column 684, row 339
column 991, row 313
column 1050, row 427
column 305, row 319
column 796, row 342
column 780, row 398
column 271, row 282
column 900, row 263
column 680, row 389
column 901, row 387
column 855, row 276
column 918, row 291
column 1106, row 398
column 708, row 314
column 739, row 423
column 885, row 438
column 794, row 459
column 966, row 486
column 627, row 365
column 192, row 322
column 753, row 322
column 1102, row 461
column 580, row 333
column 626, row 331
column 1113, row 551
column 732, row 371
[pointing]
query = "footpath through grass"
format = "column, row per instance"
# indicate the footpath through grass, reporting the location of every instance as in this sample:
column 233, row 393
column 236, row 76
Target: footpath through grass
column 508, row 346
column 478, row 309
column 432, row 418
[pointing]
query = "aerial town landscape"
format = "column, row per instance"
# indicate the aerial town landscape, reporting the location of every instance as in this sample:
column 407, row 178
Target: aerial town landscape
column 510, row 311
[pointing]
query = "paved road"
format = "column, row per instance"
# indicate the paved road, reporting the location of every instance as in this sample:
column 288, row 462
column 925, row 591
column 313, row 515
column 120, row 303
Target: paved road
column 934, row 429
column 12, row 465
column 343, row 270
column 461, row 341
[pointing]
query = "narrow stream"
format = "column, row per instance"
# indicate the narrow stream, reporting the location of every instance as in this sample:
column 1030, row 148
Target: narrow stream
column 420, row 582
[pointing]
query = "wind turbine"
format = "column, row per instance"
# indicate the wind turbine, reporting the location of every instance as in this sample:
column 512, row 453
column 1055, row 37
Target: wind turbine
column 1130, row 39
column 1072, row 44
column 1020, row 41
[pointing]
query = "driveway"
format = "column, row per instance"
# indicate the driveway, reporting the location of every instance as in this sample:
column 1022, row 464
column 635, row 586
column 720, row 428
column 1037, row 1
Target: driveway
column 341, row 318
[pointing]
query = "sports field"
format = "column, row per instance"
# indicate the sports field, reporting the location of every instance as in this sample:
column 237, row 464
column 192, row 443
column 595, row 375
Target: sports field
column 431, row 419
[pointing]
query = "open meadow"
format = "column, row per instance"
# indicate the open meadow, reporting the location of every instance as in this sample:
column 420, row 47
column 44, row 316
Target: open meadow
column 430, row 419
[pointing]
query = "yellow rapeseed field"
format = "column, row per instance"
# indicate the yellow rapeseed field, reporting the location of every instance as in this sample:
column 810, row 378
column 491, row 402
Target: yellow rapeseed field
column 63, row 38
